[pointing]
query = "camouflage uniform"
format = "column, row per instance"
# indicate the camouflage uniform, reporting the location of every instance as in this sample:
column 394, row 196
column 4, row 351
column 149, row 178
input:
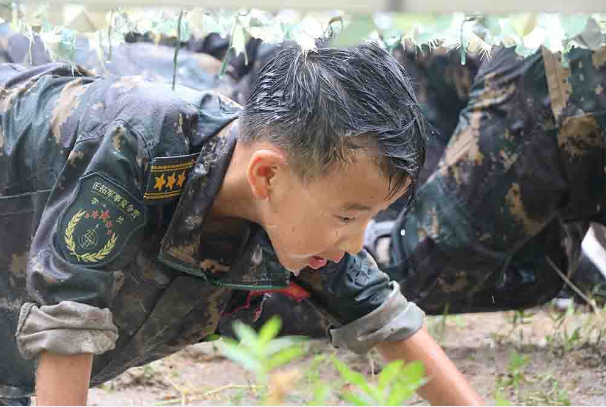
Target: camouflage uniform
column 105, row 249
column 527, row 155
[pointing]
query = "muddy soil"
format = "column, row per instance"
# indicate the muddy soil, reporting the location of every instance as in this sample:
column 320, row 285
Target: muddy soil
column 530, row 358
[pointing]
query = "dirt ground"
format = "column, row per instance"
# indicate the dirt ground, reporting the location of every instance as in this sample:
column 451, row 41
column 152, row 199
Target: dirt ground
column 528, row 358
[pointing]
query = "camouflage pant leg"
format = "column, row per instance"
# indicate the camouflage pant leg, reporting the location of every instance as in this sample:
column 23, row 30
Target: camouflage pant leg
column 23, row 401
column 514, row 168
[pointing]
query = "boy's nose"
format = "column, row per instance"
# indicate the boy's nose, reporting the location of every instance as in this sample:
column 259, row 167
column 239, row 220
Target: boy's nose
column 353, row 243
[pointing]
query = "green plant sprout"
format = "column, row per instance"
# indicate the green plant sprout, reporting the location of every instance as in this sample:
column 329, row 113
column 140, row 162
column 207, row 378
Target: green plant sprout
column 396, row 383
column 261, row 353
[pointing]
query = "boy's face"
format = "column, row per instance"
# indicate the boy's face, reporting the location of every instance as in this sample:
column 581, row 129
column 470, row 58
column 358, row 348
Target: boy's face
column 312, row 223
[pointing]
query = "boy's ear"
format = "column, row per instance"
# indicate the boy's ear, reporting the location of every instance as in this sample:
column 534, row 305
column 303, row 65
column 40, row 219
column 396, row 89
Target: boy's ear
column 265, row 167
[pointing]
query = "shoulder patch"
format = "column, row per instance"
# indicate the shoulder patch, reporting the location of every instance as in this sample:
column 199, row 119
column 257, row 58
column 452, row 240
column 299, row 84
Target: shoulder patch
column 167, row 178
column 99, row 221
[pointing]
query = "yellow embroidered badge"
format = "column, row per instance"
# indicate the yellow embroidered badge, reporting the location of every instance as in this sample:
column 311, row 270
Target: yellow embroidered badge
column 167, row 178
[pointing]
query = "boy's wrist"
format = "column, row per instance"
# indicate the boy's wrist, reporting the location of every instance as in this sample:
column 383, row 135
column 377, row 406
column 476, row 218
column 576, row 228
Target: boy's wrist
column 63, row 379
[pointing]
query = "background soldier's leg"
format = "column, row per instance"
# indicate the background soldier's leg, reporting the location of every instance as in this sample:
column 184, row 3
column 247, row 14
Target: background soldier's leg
column 500, row 183
column 22, row 401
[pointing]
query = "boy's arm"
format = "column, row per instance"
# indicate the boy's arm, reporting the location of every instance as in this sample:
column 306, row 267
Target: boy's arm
column 446, row 385
column 63, row 379
column 368, row 310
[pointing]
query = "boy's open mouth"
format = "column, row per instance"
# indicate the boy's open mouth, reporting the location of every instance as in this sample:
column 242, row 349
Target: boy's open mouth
column 317, row 262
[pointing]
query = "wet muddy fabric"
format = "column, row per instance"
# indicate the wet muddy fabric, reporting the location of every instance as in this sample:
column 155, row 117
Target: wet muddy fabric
column 104, row 188
column 527, row 155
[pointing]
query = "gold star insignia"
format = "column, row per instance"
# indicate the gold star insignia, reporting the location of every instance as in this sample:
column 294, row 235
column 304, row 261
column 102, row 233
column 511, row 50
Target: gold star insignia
column 171, row 181
column 159, row 182
column 181, row 179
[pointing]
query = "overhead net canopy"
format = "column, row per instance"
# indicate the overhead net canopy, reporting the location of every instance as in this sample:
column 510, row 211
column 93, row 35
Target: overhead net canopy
column 465, row 25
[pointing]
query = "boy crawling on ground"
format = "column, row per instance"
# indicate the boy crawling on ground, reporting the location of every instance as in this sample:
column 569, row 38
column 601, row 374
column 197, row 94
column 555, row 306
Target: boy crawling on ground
column 133, row 217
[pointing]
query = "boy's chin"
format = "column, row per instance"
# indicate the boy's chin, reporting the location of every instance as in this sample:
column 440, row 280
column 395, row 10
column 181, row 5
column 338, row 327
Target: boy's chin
column 294, row 268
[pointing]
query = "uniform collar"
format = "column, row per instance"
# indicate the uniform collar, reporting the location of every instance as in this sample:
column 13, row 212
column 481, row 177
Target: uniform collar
column 243, row 260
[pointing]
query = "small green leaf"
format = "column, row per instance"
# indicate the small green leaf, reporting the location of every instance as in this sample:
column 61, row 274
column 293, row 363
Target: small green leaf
column 283, row 357
column 523, row 23
column 413, row 372
column 239, row 42
column 357, row 399
column 67, row 45
column 389, row 374
column 592, row 38
column 270, row 329
column 241, row 356
column 225, row 63
column 573, row 24
column 399, row 394
column 321, row 392
column 493, row 24
column 357, row 379
column 409, row 380
column 576, row 335
column 277, row 345
column 348, row 374
column 500, row 400
column 516, row 361
column 245, row 333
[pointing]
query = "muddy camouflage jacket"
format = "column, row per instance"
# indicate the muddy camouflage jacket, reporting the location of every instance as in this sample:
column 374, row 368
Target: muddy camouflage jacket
column 104, row 187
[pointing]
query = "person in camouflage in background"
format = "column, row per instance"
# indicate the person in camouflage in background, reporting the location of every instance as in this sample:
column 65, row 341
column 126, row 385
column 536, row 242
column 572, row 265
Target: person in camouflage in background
column 526, row 158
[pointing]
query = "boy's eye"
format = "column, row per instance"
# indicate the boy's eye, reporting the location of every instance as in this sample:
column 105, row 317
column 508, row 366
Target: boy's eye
column 346, row 219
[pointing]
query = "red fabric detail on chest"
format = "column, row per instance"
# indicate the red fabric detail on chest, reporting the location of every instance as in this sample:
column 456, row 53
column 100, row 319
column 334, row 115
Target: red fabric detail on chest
column 294, row 291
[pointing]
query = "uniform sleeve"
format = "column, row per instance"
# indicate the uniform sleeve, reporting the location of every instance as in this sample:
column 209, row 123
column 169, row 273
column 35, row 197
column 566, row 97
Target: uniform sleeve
column 89, row 230
column 364, row 306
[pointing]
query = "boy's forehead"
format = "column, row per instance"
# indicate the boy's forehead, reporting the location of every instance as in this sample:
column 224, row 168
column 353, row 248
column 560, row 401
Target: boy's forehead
column 359, row 185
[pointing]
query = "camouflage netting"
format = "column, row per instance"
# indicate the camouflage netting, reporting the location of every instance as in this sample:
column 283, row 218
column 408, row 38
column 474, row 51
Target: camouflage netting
column 62, row 28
